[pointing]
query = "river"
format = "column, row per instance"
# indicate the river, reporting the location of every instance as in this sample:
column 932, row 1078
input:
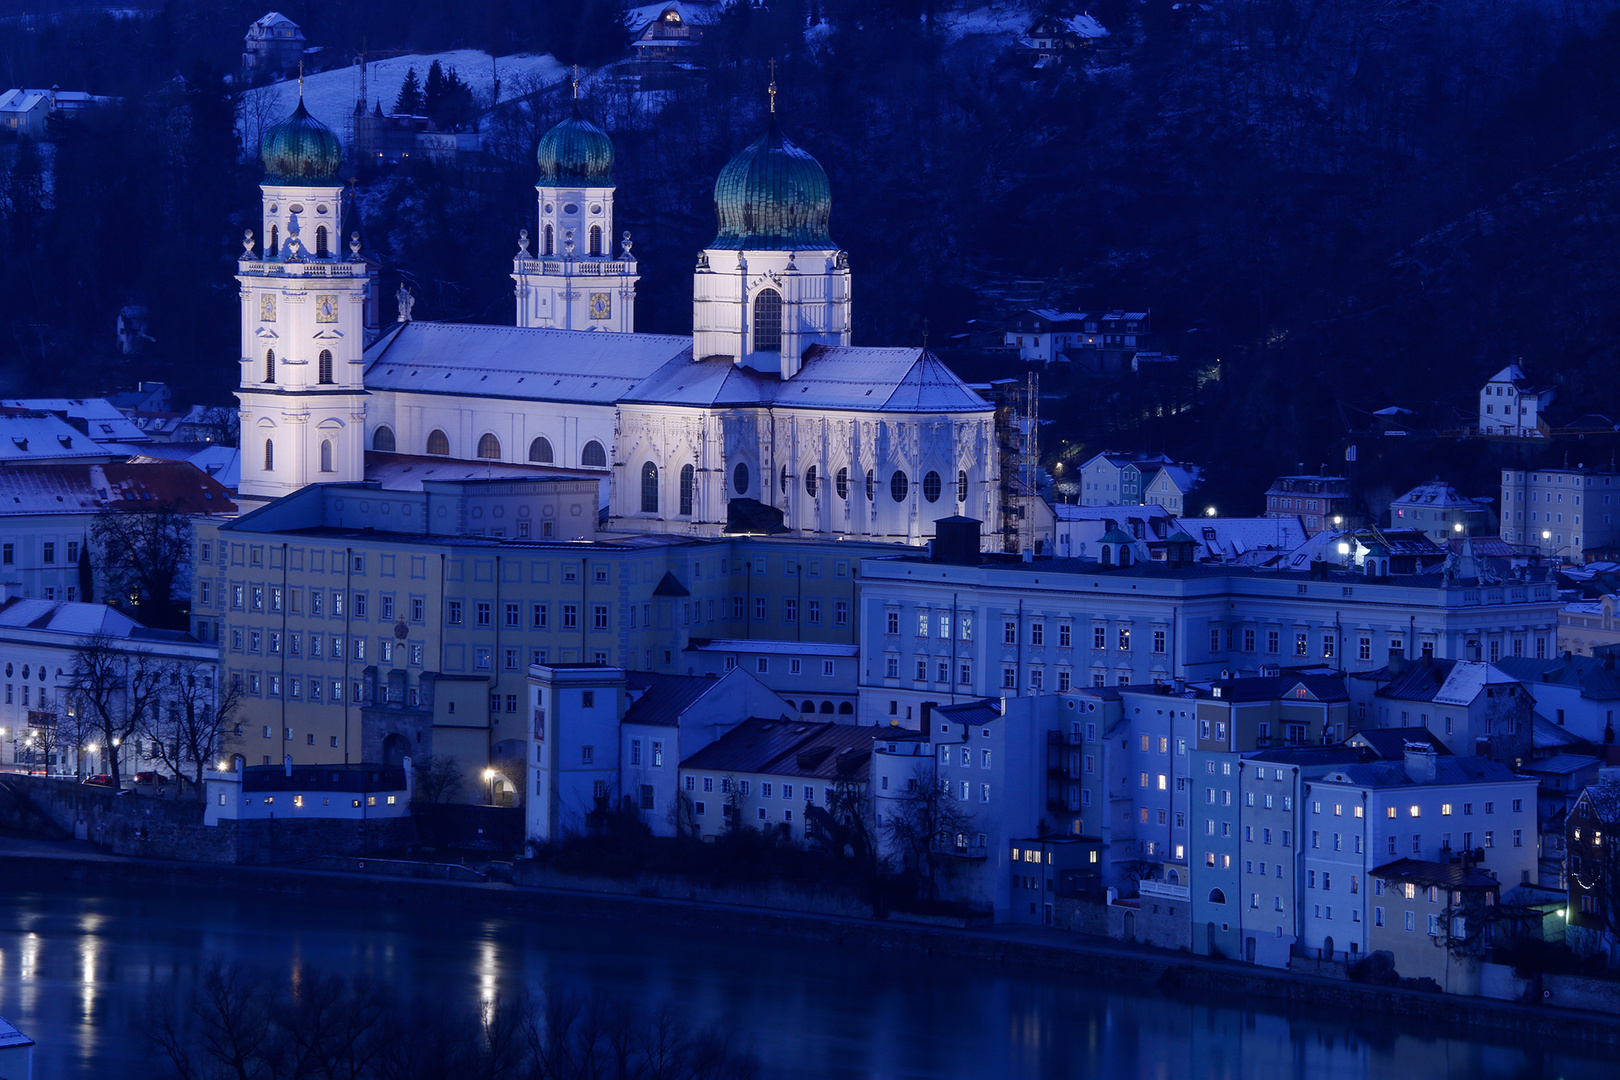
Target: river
column 77, row 968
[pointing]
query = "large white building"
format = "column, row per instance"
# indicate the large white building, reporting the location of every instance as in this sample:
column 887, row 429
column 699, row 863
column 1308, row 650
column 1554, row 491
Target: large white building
column 765, row 418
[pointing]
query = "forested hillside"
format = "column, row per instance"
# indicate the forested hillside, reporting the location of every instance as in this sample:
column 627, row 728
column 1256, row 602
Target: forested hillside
column 1354, row 203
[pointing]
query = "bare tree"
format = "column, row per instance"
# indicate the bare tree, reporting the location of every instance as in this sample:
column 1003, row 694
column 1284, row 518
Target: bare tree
column 439, row 778
column 844, row 825
column 114, row 692
column 186, row 729
column 146, row 560
column 924, row 825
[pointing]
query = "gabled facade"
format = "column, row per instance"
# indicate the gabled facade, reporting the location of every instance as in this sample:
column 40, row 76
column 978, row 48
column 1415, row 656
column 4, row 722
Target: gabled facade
column 1511, row 406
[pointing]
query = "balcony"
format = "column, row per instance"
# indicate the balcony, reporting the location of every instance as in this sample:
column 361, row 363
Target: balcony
column 584, row 266
column 1161, row 891
column 969, row 851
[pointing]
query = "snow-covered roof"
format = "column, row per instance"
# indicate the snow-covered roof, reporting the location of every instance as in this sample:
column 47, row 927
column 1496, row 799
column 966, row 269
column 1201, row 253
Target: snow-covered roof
column 517, row 362
column 273, row 18
column 10, row 1037
column 1054, row 315
column 1085, row 26
column 66, row 617
column 70, row 488
column 406, row 472
column 1437, row 494
column 1227, row 538
column 1184, row 477
column 23, row 101
column 894, row 380
column 103, row 421
column 1112, row 512
column 695, row 13
column 27, row 436
column 1467, row 679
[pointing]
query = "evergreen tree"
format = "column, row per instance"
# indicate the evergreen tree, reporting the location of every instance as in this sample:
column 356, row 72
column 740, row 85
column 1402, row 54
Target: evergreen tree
column 409, row 102
column 447, row 100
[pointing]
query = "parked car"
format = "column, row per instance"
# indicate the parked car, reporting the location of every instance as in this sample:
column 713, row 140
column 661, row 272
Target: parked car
column 156, row 779
column 100, row 780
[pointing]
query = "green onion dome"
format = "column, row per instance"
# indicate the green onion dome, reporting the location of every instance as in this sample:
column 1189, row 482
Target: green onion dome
column 575, row 153
column 772, row 196
column 300, row 150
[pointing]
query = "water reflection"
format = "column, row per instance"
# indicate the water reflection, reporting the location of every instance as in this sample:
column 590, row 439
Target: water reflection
column 75, row 973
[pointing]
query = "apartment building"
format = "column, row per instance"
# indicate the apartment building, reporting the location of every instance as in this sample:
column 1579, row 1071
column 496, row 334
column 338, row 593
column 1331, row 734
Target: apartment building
column 341, row 599
column 959, row 626
column 1561, row 513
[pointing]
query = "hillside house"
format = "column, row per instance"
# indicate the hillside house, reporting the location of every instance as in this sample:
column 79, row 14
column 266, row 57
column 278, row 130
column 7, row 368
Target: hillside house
column 274, row 43
column 1511, row 405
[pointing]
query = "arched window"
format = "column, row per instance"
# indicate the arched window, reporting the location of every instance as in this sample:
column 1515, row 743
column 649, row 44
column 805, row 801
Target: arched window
column 275, row 240
column 841, row 483
column 739, row 479
column 810, row 481
column 931, row 486
column 326, row 366
column 551, row 240
column 438, row 443
column 1216, row 896
column 827, row 707
column 270, row 365
column 540, row 450
column 961, row 486
column 871, row 486
column 899, row 484
column 593, row 456
column 649, row 488
column 326, row 455
column 383, row 440
column 269, row 455
column 808, row 707
column 846, row 708
column 768, row 321
column 489, row 447
column 688, row 478
column 596, row 239
column 320, row 242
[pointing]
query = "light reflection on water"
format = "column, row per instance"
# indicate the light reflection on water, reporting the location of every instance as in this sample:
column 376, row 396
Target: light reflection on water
column 76, row 972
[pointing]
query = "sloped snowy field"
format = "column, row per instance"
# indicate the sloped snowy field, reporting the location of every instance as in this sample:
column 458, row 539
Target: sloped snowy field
column 330, row 95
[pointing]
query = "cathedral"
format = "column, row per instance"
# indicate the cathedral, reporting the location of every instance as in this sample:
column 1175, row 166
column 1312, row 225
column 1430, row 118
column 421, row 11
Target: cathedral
column 764, row 419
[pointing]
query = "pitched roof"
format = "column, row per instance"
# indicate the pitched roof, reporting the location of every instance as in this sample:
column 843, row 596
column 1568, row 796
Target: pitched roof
column 1390, row 743
column 772, row 648
column 517, row 362
column 1444, row 682
column 663, row 698
column 1447, row 771
column 141, row 483
column 66, row 617
column 982, row 711
column 788, row 748
column 1591, row 674
column 1447, row 875
column 1274, row 687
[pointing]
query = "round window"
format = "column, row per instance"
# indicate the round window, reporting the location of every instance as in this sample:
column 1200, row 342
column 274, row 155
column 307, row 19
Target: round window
column 549, row 208
column 597, row 209
column 321, row 208
column 570, row 208
column 25, row 671
column 8, row 671
column 739, row 478
column 272, row 208
column 295, row 208
column 931, row 487
column 842, row 483
column 899, row 485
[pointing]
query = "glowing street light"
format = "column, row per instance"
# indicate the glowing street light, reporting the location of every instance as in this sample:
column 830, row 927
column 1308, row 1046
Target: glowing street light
column 1209, row 511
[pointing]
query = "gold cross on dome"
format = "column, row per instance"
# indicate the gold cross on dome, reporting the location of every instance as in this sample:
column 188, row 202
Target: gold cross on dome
column 772, row 89
column 300, row 80
column 576, row 82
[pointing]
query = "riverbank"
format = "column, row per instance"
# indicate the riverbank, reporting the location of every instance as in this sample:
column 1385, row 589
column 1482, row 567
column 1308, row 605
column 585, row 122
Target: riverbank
column 1103, row 962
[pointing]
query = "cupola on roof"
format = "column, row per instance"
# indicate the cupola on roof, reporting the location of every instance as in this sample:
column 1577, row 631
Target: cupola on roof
column 575, row 153
column 772, row 196
column 300, row 150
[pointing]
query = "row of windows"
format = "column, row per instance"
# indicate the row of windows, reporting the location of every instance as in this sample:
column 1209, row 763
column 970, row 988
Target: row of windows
column 592, row 456
column 899, row 483
column 47, row 552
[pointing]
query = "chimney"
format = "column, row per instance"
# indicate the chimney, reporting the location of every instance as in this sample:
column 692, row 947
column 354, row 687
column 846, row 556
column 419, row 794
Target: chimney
column 927, row 718
column 1397, row 661
column 1420, row 758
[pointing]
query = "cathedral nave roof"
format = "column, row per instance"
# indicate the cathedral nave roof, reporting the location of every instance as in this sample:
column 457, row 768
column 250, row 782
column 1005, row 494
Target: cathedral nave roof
column 518, row 362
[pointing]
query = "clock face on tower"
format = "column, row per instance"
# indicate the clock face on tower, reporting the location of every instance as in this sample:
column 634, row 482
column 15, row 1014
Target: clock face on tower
column 326, row 308
column 601, row 305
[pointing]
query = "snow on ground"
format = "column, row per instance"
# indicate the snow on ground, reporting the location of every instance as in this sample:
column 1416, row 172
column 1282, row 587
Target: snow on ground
column 330, row 95
column 1009, row 19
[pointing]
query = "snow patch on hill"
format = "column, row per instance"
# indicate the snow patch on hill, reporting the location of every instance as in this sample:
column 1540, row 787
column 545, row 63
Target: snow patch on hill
column 330, row 95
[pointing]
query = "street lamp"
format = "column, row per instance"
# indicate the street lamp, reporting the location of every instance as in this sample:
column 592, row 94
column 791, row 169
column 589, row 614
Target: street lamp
column 489, row 779
column 1209, row 511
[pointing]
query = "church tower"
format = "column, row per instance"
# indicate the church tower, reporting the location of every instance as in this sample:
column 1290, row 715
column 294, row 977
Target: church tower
column 772, row 283
column 573, row 274
column 303, row 322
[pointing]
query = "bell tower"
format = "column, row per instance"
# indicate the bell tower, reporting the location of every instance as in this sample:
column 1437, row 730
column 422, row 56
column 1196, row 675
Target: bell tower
column 772, row 283
column 303, row 297
column 574, row 274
